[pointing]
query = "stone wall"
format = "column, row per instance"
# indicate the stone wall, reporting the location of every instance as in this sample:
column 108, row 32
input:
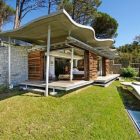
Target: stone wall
column 106, row 66
column 3, row 65
column 91, row 60
column 19, row 64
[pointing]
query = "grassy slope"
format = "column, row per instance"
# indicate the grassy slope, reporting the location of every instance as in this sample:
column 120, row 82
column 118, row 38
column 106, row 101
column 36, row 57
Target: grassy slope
column 93, row 113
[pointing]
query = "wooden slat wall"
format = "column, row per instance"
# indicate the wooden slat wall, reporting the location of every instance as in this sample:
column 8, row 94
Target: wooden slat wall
column 36, row 65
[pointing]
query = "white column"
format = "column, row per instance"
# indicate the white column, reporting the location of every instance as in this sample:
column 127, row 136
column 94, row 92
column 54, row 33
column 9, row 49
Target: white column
column 9, row 63
column 101, row 66
column 71, row 69
column 47, row 60
column 76, row 62
column 52, row 66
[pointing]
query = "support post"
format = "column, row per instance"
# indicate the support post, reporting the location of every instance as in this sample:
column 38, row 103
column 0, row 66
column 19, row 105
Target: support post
column 76, row 63
column 47, row 60
column 71, row 69
column 101, row 66
column 9, row 63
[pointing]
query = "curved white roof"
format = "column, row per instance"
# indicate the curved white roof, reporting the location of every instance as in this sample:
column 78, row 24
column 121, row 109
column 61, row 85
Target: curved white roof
column 62, row 25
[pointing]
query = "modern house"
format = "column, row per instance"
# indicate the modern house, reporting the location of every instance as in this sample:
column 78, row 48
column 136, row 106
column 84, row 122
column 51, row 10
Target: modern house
column 64, row 54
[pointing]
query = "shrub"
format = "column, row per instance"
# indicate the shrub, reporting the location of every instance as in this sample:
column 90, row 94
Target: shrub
column 128, row 72
column 3, row 89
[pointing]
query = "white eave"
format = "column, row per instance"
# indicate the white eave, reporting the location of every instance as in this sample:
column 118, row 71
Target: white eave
column 62, row 26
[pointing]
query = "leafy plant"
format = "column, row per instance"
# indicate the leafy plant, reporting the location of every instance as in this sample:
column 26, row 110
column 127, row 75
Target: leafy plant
column 129, row 72
column 3, row 89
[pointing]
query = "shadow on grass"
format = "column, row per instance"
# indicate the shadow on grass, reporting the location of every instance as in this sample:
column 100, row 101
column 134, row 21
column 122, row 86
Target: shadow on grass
column 63, row 93
column 5, row 94
column 129, row 100
column 31, row 93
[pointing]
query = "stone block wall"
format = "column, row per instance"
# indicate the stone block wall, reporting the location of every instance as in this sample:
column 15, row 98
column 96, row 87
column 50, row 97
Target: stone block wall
column 19, row 64
column 106, row 66
column 3, row 65
column 91, row 61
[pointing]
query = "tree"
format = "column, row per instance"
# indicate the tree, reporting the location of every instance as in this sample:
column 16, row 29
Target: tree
column 85, row 12
column 80, row 10
column 105, row 26
column 52, row 3
column 23, row 7
column 136, row 40
column 129, row 53
column 6, row 13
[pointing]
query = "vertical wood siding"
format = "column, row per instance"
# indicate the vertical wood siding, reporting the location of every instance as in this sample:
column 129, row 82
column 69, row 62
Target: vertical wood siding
column 36, row 65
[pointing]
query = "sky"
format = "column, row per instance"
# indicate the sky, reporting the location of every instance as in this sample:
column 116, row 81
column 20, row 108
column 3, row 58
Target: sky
column 126, row 12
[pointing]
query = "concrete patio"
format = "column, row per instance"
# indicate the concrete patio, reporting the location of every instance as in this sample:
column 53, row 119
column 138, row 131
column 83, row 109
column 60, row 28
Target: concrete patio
column 106, row 80
column 55, row 85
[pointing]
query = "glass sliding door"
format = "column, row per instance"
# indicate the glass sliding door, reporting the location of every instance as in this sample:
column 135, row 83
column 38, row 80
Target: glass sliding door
column 100, row 66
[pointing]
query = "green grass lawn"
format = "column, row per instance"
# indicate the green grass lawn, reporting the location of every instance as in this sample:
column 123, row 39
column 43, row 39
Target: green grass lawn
column 92, row 113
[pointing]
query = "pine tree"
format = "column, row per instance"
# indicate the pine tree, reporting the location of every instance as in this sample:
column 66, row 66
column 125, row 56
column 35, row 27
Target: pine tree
column 6, row 13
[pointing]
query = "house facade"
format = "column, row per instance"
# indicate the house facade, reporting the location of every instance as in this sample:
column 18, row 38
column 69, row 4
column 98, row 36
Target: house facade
column 61, row 50
column 28, row 63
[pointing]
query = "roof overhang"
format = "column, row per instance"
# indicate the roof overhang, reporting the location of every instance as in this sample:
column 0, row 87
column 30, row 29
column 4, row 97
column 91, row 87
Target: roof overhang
column 58, row 54
column 101, row 51
column 62, row 25
column 79, row 45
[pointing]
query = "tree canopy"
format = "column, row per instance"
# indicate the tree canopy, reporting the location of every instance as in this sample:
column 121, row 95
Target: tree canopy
column 80, row 10
column 6, row 13
column 129, row 53
column 83, row 12
column 23, row 7
column 86, row 12
column 105, row 26
column 137, row 40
